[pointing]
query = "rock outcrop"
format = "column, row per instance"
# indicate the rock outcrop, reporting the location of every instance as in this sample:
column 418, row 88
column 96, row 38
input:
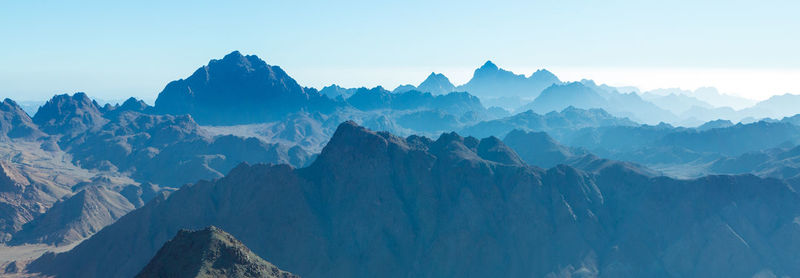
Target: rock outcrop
column 209, row 252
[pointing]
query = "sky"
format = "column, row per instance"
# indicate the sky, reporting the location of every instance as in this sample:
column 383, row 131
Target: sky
column 117, row 49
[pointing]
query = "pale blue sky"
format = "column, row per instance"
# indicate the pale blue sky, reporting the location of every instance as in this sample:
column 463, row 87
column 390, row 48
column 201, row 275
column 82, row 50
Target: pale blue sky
column 112, row 50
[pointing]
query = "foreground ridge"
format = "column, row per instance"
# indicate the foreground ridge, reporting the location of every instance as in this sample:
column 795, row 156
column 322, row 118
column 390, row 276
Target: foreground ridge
column 210, row 252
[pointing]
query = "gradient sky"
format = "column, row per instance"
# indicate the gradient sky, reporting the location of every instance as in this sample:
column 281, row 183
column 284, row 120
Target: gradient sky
column 113, row 50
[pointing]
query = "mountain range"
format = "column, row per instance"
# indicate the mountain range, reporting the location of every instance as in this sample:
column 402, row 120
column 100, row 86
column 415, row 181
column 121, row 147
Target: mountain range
column 588, row 180
column 415, row 202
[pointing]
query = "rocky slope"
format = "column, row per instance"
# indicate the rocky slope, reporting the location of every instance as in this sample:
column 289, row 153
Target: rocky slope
column 209, row 252
column 75, row 218
column 374, row 204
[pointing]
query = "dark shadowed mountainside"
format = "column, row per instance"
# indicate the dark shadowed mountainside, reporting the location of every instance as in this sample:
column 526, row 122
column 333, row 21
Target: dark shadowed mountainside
column 374, row 204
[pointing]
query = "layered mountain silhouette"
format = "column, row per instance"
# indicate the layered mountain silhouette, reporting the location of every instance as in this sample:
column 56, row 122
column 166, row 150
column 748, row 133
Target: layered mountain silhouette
column 587, row 95
column 462, row 207
column 783, row 163
column 566, row 121
column 775, row 107
column 75, row 166
column 539, row 149
column 239, row 89
column 437, row 84
column 162, row 149
column 707, row 95
column 490, row 81
column 209, row 252
column 336, row 92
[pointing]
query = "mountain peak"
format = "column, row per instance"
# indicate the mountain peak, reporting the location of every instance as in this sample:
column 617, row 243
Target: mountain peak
column 488, row 66
column 210, row 252
column 233, row 55
column 493, row 149
column 238, row 90
column 436, row 83
column 69, row 114
column 544, row 75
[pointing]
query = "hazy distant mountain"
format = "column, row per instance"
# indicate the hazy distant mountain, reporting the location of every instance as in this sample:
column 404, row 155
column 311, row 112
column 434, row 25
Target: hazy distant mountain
column 412, row 203
column 539, row 149
column 209, row 252
column 554, row 123
column 778, row 106
column 429, row 121
column 15, row 123
column 587, row 95
column 334, row 92
column 82, row 215
column 675, row 103
column 456, row 103
column 436, row 84
column 714, row 97
column 65, row 114
column 131, row 104
column 697, row 115
column 715, row 124
column 783, row 163
column 707, row 95
column 239, row 89
column 665, row 144
column 490, row 82
column 170, row 150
